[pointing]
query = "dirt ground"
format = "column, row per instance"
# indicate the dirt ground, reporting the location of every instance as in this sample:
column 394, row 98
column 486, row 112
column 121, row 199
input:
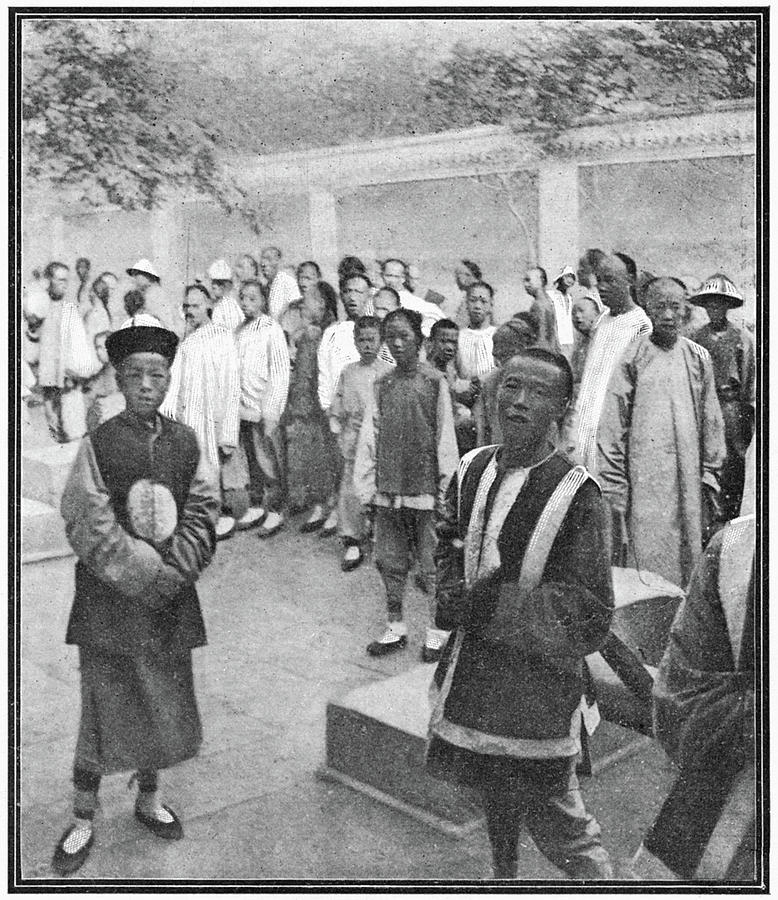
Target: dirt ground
column 287, row 632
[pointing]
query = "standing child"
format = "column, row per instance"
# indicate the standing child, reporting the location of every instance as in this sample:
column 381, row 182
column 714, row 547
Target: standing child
column 263, row 359
column 406, row 455
column 355, row 387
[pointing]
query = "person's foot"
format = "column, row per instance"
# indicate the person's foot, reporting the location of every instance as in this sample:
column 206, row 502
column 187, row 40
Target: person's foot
column 330, row 525
column 352, row 558
column 254, row 516
column 273, row 523
column 225, row 528
column 161, row 821
column 314, row 522
column 394, row 638
column 73, row 847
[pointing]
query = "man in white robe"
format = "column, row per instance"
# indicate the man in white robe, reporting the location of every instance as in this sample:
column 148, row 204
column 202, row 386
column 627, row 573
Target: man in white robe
column 204, row 394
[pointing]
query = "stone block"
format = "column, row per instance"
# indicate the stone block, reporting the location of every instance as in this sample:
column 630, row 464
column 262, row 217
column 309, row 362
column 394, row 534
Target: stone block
column 376, row 735
column 45, row 471
column 43, row 532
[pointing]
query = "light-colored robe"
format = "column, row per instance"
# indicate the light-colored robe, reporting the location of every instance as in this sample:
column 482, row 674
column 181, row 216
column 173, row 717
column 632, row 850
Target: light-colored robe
column 661, row 437
column 204, row 390
column 612, row 337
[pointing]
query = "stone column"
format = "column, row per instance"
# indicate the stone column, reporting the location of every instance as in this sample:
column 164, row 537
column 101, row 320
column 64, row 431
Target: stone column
column 323, row 221
column 557, row 216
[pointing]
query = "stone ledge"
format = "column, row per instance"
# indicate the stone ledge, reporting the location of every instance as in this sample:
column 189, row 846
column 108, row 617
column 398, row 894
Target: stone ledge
column 42, row 532
column 45, row 471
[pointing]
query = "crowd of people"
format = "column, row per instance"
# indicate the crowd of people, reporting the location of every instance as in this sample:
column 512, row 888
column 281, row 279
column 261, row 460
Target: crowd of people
column 384, row 418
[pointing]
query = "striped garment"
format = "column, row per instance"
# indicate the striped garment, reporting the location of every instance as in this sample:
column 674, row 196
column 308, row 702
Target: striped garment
column 65, row 349
column 204, row 390
column 563, row 307
column 283, row 291
column 263, row 357
column 337, row 350
column 428, row 311
column 474, row 352
column 612, row 337
column 227, row 313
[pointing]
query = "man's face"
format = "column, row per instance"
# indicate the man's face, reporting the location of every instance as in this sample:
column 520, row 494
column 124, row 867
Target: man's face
column 244, row 268
column 568, row 281
column 58, row 283
column 111, row 282
column 100, row 289
column 251, row 301
column 533, row 283
column 531, row 396
column 368, row 341
column 401, row 341
column 716, row 308
column 355, row 295
column 144, row 379
column 479, row 306
column 444, row 345
column 666, row 307
column 464, row 277
column 307, row 279
column 613, row 283
column 394, row 275
column 584, row 314
column 141, row 281
column 196, row 308
column 220, row 289
column 102, row 353
column 269, row 264
column 383, row 304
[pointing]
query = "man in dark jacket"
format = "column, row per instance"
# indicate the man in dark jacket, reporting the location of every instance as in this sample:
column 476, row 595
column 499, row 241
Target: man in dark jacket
column 140, row 509
column 524, row 583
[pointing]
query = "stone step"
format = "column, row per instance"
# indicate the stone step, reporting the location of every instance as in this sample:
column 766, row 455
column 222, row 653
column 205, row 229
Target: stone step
column 45, row 471
column 43, row 532
column 376, row 735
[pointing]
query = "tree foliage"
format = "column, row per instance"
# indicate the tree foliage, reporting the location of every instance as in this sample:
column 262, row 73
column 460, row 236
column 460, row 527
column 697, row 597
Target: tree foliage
column 99, row 116
column 581, row 69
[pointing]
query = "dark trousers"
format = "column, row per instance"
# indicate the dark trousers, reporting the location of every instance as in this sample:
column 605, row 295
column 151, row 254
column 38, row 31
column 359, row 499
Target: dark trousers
column 544, row 795
column 398, row 534
column 266, row 461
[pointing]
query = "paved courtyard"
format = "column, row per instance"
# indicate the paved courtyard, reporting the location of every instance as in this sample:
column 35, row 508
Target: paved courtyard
column 287, row 631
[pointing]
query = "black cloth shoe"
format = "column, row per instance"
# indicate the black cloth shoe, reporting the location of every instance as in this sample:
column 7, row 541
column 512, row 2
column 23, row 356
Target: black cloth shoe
column 65, row 863
column 431, row 654
column 381, row 648
column 310, row 527
column 171, row 831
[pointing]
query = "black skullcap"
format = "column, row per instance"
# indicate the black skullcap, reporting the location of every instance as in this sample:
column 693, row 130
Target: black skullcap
column 140, row 339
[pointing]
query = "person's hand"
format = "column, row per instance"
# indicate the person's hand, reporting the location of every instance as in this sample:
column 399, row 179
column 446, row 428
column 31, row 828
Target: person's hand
column 166, row 587
column 335, row 426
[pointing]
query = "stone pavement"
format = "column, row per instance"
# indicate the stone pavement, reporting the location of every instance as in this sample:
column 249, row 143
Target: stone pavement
column 287, row 631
